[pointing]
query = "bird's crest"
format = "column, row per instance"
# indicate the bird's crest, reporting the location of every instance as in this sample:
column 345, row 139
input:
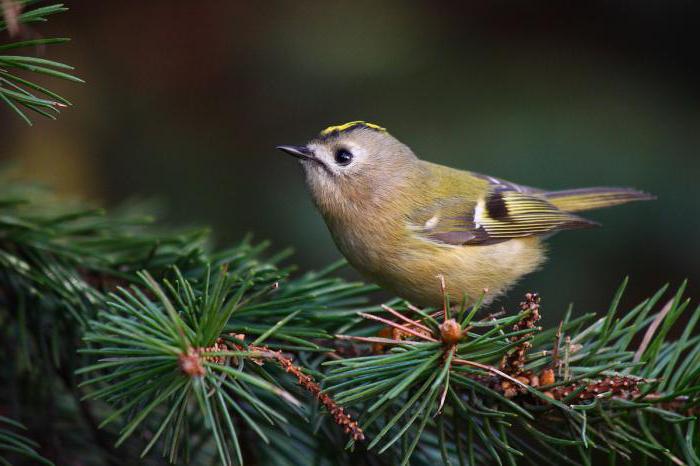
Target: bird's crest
column 337, row 129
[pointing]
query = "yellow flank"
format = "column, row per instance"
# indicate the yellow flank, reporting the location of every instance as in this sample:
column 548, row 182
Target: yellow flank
column 349, row 125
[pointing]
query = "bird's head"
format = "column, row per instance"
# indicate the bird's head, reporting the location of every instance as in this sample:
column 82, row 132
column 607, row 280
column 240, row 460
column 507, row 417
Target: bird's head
column 352, row 164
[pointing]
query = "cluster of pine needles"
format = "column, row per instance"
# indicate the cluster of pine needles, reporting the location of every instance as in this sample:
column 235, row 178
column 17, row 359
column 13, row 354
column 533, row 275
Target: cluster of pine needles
column 18, row 91
column 500, row 389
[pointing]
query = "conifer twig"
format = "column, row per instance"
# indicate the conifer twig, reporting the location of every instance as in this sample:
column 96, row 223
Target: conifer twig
column 307, row 382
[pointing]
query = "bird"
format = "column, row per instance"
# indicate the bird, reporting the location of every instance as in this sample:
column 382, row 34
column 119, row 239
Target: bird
column 405, row 223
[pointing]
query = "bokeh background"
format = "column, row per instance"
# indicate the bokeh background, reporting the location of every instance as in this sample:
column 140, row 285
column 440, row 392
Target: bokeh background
column 185, row 101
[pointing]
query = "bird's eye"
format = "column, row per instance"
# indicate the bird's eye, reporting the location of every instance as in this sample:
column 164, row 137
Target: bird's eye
column 343, row 156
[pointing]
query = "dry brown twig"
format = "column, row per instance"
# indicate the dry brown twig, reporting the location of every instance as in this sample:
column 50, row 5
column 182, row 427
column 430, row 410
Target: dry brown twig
column 613, row 386
column 350, row 426
column 192, row 364
column 513, row 363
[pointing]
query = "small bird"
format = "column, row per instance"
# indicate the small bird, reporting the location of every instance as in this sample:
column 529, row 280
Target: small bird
column 402, row 222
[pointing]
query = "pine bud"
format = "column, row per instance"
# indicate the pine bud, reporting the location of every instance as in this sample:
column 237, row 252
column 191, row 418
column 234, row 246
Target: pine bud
column 547, row 377
column 451, row 332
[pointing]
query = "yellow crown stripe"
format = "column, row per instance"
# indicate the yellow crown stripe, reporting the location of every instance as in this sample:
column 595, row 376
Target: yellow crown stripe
column 350, row 125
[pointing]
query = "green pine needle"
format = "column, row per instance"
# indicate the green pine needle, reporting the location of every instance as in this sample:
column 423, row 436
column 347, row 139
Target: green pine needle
column 20, row 93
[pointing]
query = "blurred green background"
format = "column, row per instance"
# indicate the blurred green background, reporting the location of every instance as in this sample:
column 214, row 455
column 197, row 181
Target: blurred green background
column 185, row 101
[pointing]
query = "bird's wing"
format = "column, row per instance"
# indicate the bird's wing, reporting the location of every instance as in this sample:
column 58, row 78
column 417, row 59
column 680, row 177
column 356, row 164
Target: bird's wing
column 574, row 200
column 505, row 211
column 498, row 184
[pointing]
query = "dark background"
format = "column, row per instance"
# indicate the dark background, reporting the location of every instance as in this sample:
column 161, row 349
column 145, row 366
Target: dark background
column 184, row 102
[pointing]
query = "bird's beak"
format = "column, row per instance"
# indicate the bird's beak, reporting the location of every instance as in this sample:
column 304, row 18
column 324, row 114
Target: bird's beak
column 300, row 152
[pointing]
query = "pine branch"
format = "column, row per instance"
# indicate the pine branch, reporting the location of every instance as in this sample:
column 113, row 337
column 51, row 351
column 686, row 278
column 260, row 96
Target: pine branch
column 61, row 262
column 17, row 445
column 170, row 349
column 500, row 389
column 213, row 354
column 17, row 92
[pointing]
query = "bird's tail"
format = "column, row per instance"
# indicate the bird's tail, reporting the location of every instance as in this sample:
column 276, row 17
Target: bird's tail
column 576, row 200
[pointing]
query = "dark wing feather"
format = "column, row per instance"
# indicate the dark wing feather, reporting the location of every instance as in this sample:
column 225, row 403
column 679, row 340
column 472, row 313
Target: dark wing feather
column 505, row 212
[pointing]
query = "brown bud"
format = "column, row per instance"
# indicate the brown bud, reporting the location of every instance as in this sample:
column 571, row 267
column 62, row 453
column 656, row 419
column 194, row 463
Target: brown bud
column 510, row 392
column 378, row 348
column 191, row 364
column 547, row 377
column 534, row 380
column 548, row 394
column 451, row 332
column 523, row 380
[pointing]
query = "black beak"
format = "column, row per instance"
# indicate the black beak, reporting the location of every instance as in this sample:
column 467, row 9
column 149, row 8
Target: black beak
column 300, row 152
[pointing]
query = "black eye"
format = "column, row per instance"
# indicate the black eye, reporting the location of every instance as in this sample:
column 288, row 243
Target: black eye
column 343, row 156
